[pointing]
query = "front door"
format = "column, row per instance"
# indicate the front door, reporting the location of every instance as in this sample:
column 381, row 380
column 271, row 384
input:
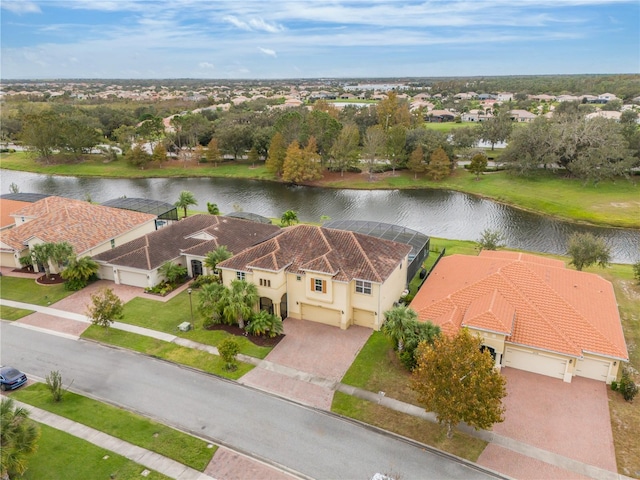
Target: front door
column 196, row 268
column 283, row 307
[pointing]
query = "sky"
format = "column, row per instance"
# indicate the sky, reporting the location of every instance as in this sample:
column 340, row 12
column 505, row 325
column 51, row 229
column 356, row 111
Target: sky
column 278, row 39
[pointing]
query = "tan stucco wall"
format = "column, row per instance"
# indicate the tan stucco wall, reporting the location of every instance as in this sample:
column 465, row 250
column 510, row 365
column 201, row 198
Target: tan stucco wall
column 132, row 234
column 340, row 296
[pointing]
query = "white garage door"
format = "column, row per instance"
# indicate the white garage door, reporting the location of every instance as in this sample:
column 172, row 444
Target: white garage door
column 133, row 278
column 321, row 315
column 105, row 272
column 592, row 368
column 364, row 318
column 530, row 362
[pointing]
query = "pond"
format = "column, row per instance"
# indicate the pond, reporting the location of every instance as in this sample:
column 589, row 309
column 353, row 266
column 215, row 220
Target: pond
column 437, row 213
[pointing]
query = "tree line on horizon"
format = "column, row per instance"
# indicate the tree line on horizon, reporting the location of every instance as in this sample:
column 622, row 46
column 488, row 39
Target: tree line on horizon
column 299, row 144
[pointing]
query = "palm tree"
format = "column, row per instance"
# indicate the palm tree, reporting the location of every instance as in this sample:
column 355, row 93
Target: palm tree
column 79, row 271
column 185, row 200
column 18, row 437
column 289, row 218
column 210, row 300
column 241, row 300
column 172, row 272
column 397, row 322
column 61, row 252
column 216, row 256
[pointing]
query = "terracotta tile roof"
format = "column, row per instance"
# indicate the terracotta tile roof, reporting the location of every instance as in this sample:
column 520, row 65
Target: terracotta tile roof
column 195, row 235
column 82, row 224
column 7, row 208
column 342, row 254
column 555, row 308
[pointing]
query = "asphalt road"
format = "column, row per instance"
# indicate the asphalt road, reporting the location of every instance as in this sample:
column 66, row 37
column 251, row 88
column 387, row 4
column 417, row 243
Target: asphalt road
column 304, row 440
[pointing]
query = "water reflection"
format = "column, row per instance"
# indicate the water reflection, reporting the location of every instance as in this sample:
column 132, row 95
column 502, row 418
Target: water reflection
column 439, row 213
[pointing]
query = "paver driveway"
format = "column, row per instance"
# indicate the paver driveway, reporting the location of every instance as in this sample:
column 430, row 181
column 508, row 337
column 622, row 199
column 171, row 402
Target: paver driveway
column 570, row 419
column 319, row 350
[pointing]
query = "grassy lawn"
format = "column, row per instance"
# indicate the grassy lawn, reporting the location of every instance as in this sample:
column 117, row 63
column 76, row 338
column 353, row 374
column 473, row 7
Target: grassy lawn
column 122, row 424
column 28, row 291
column 10, row 313
column 177, row 310
column 171, row 352
column 377, row 368
column 95, row 167
column 421, row 430
column 625, row 416
column 447, row 126
column 62, row 456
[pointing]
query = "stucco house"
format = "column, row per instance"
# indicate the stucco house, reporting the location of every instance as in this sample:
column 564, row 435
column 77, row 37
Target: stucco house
column 522, row 116
column 185, row 242
column 325, row 275
column 531, row 312
column 90, row 229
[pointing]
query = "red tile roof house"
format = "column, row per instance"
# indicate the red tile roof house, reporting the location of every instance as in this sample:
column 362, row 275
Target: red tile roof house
column 531, row 312
column 89, row 228
column 325, row 275
column 186, row 242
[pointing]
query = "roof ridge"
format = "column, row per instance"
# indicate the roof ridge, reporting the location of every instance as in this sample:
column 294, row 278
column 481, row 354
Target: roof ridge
column 146, row 251
column 534, row 307
column 366, row 257
column 577, row 313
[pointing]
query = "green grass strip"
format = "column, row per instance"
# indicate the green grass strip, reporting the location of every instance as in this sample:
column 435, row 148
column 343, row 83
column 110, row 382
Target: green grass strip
column 122, row 424
column 62, row 456
column 190, row 357
column 28, row 291
column 421, row 430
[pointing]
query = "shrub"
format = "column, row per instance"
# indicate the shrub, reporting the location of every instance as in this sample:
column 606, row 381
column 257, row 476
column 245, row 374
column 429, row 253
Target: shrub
column 636, row 271
column 26, row 261
column 627, row 387
column 265, row 323
column 74, row 284
column 203, row 280
column 228, row 350
column 54, row 384
column 614, row 386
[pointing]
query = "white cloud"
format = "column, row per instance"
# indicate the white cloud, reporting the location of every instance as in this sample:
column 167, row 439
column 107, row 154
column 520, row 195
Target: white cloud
column 236, row 22
column 260, row 24
column 206, row 65
column 20, row 6
column 268, row 51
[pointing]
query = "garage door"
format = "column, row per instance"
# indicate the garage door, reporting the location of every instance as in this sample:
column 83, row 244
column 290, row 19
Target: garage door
column 364, row 318
column 592, row 368
column 105, row 272
column 530, row 362
column 321, row 315
column 134, row 279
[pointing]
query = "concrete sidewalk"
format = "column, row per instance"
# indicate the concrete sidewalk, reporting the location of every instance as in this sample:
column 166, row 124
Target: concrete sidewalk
column 146, row 458
column 522, row 448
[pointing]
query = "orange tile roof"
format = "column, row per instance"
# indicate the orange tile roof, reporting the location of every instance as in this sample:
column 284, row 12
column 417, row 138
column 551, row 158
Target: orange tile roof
column 7, row 208
column 342, row 254
column 554, row 308
column 82, row 224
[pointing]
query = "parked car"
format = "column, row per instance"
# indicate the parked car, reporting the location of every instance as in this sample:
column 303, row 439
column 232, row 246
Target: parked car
column 11, row 378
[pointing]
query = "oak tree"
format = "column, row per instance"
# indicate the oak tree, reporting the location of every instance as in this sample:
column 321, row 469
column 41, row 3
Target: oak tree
column 457, row 381
column 585, row 250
